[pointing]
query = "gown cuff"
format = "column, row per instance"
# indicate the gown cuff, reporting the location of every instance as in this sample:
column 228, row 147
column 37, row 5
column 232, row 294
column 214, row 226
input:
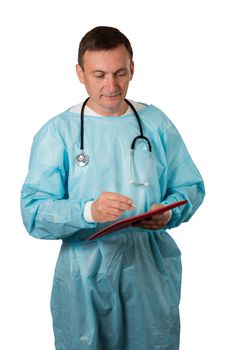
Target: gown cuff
column 87, row 212
column 170, row 215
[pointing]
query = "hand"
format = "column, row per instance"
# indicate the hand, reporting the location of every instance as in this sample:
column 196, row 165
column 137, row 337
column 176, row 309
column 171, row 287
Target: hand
column 155, row 222
column 109, row 206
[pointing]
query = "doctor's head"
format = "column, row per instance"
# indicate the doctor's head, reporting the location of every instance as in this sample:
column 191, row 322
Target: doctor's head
column 105, row 66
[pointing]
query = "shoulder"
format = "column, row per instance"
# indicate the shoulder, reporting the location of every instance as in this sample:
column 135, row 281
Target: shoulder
column 58, row 124
column 154, row 116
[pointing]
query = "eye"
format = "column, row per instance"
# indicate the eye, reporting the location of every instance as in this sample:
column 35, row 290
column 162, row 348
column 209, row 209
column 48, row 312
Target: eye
column 99, row 75
column 122, row 74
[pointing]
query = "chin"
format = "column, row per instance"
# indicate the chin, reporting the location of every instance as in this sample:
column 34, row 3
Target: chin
column 113, row 101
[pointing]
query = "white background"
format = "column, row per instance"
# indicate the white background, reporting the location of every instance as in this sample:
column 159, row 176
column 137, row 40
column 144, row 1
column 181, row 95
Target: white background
column 183, row 62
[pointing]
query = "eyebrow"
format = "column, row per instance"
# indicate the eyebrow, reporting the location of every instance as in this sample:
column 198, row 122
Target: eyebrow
column 102, row 71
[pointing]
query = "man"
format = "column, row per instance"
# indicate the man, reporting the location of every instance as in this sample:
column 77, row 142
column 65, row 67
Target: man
column 120, row 292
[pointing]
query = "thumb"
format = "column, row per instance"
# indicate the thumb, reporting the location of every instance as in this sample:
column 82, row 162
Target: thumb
column 156, row 206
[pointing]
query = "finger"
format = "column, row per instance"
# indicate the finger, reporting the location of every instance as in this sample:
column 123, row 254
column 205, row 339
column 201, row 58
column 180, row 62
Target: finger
column 108, row 206
column 156, row 206
column 120, row 199
column 148, row 226
column 152, row 221
column 119, row 206
column 113, row 211
column 114, row 203
column 147, row 223
column 163, row 215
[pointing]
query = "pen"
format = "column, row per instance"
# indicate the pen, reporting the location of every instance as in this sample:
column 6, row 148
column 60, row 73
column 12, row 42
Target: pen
column 133, row 205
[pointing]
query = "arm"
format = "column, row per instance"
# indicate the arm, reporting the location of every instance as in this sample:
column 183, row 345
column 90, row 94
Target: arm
column 183, row 178
column 47, row 211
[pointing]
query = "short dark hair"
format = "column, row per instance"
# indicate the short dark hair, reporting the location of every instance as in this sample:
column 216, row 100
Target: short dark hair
column 102, row 38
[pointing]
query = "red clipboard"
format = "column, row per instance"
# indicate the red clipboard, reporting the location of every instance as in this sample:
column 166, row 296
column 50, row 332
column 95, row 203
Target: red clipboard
column 119, row 225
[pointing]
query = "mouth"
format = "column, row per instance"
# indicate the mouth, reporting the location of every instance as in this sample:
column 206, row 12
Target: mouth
column 111, row 95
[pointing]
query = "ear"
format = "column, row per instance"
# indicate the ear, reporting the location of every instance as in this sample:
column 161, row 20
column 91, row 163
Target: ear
column 80, row 73
column 132, row 70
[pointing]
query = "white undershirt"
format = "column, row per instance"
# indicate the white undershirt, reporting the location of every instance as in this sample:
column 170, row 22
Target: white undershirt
column 88, row 111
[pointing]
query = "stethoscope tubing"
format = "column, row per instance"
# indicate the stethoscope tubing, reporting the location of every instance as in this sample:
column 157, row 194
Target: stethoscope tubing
column 82, row 125
column 82, row 155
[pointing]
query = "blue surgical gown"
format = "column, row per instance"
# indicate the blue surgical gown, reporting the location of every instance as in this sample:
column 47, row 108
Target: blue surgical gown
column 120, row 292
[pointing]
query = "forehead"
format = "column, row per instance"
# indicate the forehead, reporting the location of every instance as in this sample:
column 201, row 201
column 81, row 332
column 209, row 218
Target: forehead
column 107, row 59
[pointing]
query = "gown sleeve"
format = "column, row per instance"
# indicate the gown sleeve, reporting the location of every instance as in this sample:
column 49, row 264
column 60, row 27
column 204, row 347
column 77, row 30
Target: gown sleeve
column 183, row 178
column 47, row 211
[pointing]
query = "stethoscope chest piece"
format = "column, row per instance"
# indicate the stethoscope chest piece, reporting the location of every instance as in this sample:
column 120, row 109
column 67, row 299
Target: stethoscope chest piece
column 82, row 159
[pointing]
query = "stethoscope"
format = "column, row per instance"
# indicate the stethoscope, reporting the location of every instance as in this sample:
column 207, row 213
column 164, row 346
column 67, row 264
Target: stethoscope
column 82, row 158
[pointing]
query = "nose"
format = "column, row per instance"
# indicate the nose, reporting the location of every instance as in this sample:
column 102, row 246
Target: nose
column 112, row 83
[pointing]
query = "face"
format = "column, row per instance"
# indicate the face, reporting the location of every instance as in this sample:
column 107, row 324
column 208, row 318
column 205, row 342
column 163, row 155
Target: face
column 106, row 75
